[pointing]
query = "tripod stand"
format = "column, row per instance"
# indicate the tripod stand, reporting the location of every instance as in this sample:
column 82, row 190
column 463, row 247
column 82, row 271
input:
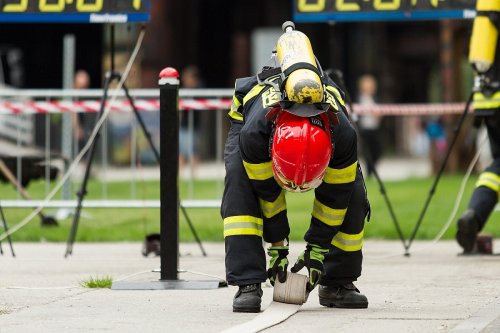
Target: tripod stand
column 111, row 76
column 438, row 176
column 6, row 228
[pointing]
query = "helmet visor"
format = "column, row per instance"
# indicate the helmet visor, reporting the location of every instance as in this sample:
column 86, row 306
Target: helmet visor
column 291, row 186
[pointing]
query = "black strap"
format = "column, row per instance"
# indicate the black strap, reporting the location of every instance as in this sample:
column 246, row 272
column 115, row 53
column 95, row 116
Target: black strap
column 267, row 73
column 301, row 65
column 494, row 16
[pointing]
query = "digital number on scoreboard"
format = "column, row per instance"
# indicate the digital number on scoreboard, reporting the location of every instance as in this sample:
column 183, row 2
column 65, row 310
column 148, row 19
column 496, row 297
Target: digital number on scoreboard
column 74, row 11
column 382, row 10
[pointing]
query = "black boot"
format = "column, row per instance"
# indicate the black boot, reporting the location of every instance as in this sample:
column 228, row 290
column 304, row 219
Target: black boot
column 345, row 296
column 248, row 298
column 467, row 229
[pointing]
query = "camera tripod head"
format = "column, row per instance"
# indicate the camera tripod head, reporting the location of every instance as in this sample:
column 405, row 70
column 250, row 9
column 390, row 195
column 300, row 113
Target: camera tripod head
column 113, row 75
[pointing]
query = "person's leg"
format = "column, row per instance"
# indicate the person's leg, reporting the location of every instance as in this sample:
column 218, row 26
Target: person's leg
column 195, row 156
column 485, row 196
column 370, row 148
column 183, row 147
column 365, row 150
column 343, row 263
column 376, row 147
column 243, row 227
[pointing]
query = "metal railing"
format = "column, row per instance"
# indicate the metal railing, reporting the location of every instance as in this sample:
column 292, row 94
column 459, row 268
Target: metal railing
column 30, row 104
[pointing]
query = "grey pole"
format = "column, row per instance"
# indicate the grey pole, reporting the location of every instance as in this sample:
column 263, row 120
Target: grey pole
column 68, row 77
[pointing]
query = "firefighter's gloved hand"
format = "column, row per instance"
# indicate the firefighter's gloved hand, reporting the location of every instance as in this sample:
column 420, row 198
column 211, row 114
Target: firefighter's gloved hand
column 278, row 263
column 312, row 258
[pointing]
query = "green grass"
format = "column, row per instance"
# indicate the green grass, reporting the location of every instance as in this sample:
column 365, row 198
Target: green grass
column 97, row 282
column 407, row 198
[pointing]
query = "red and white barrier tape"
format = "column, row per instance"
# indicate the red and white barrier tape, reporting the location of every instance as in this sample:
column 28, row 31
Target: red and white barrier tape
column 409, row 109
column 41, row 107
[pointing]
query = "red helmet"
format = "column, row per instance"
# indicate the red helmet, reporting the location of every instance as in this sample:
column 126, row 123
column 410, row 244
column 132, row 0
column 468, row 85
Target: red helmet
column 301, row 150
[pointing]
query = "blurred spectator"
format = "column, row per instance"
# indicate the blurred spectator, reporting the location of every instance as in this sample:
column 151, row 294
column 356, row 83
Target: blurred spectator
column 437, row 135
column 189, row 137
column 369, row 124
column 419, row 140
column 81, row 81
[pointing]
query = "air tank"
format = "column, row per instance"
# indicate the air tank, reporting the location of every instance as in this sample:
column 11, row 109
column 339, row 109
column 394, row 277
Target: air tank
column 302, row 85
column 484, row 37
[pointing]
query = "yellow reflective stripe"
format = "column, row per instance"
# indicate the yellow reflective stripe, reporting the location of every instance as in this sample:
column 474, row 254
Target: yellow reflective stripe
column 331, row 100
column 252, row 93
column 490, row 180
column 243, row 225
column 337, row 94
column 483, row 102
column 235, row 115
column 270, row 209
column 341, row 176
column 348, row 242
column 327, row 215
column 235, row 104
column 261, row 171
column 234, row 111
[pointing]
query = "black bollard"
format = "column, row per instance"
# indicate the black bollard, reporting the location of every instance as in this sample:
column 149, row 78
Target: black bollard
column 169, row 171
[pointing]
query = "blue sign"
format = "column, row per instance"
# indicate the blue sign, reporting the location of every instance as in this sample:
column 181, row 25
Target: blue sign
column 381, row 10
column 74, row 11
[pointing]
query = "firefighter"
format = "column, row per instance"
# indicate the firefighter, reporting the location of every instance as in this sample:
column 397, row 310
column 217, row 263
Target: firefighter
column 292, row 141
column 485, row 60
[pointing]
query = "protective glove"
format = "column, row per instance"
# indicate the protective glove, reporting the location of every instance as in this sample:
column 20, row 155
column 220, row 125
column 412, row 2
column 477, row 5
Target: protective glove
column 312, row 258
column 278, row 263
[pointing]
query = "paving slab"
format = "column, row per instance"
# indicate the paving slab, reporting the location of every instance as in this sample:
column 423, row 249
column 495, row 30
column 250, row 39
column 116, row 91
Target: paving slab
column 433, row 290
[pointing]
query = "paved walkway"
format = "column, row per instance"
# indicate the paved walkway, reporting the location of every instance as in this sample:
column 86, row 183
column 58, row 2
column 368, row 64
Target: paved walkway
column 433, row 290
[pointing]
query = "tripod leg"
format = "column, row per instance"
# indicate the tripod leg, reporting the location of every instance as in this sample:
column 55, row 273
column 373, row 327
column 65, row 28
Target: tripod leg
column 6, row 228
column 83, row 189
column 141, row 123
column 389, row 206
column 441, row 170
column 192, row 230
column 383, row 192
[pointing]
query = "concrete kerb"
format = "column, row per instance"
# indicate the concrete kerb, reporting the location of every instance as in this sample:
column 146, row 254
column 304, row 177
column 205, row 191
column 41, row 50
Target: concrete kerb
column 433, row 290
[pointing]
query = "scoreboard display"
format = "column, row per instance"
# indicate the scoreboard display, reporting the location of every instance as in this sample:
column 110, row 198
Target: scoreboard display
column 74, row 11
column 382, row 10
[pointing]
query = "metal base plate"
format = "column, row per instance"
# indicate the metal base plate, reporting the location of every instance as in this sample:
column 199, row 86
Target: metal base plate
column 478, row 254
column 168, row 284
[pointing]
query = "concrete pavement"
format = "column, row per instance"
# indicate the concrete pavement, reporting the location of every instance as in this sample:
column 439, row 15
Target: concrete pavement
column 433, row 290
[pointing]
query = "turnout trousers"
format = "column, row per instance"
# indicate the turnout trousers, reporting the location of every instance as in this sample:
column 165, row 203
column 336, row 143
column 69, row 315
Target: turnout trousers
column 485, row 196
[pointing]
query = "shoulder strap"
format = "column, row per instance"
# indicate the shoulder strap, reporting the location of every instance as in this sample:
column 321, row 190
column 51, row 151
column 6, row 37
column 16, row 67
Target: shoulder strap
column 301, row 65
